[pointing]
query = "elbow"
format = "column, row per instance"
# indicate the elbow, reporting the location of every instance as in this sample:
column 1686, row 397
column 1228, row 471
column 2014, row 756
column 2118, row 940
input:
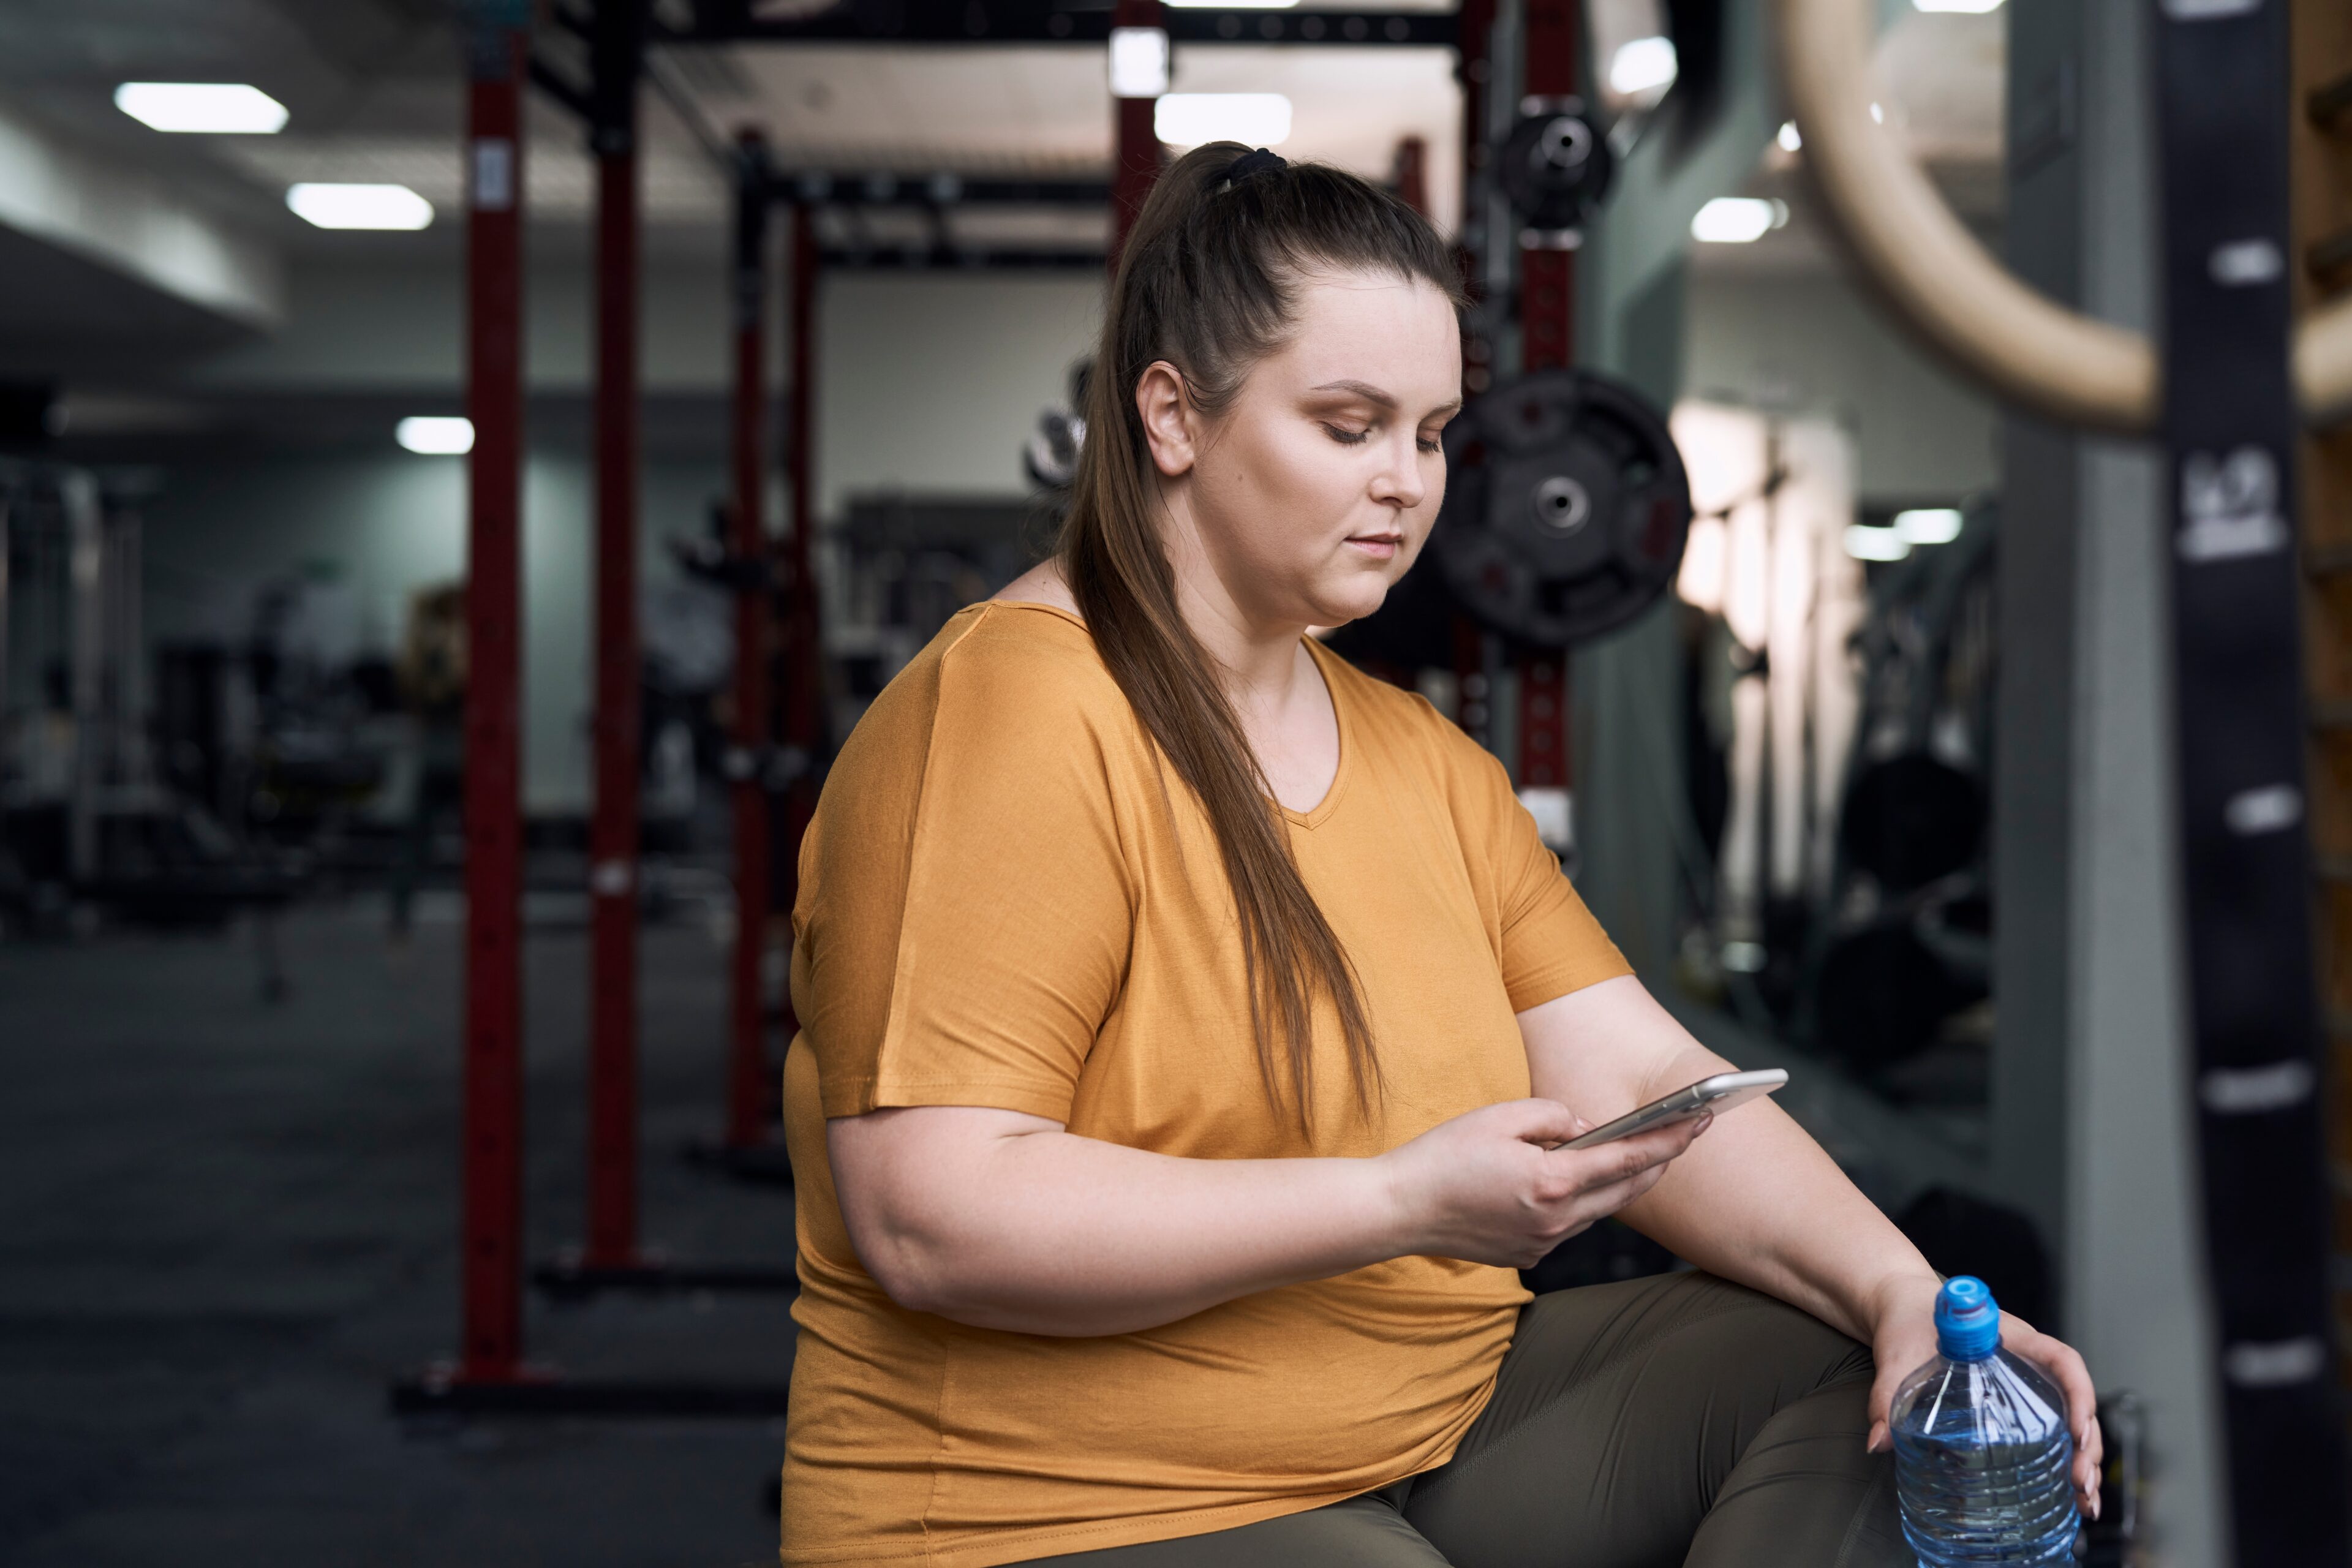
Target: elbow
column 910, row 1278
column 916, row 1269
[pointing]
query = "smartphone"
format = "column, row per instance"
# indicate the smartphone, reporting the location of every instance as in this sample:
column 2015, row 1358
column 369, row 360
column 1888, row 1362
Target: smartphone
column 1721, row 1092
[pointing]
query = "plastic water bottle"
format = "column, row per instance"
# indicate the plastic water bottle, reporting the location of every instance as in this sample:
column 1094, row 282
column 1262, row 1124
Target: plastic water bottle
column 1982, row 1447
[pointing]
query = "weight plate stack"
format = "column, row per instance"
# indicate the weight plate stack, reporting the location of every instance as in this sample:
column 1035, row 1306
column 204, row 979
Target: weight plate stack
column 1566, row 508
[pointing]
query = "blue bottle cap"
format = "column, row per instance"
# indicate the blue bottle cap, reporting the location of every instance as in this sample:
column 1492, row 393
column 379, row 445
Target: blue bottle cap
column 1968, row 1319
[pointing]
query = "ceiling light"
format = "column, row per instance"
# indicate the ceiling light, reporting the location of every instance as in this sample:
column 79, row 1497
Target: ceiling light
column 1736, row 220
column 360, row 206
column 1789, row 138
column 1866, row 543
column 435, row 435
column 1642, row 65
column 223, row 108
column 1928, row 525
column 1877, row 114
column 1252, row 119
column 1972, row 7
column 1138, row 62
column 1232, row 4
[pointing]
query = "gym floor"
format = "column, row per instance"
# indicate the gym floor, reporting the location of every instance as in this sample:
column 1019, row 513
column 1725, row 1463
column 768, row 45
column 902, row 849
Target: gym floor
column 228, row 1224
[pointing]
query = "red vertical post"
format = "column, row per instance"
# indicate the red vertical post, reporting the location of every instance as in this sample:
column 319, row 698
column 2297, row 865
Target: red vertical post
column 612, row 833
column 804, row 639
column 493, row 1117
column 1136, row 168
column 1548, row 341
column 747, row 1072
column 1409, row 173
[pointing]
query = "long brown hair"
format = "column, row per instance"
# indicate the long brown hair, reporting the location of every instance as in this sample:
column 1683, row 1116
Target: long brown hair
column 1209, row 281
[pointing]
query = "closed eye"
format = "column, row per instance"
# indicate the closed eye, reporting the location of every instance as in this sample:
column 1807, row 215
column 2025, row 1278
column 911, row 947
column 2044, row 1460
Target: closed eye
column 1347, row 437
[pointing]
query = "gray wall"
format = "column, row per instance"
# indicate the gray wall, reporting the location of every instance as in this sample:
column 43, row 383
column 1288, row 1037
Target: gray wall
column 1811, row 341
column 928, row 383
column 379, row 527
column 2091, row 1125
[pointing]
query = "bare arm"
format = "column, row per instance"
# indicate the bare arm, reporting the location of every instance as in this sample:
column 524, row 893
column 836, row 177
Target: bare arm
column 1760, row 1203
column 1006, row 1221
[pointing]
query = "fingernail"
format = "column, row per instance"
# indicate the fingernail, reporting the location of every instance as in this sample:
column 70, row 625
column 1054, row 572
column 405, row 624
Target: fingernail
column 1703, row 1123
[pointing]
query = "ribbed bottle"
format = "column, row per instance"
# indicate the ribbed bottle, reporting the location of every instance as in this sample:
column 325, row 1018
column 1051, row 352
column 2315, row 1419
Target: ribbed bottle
column 1982, row 1447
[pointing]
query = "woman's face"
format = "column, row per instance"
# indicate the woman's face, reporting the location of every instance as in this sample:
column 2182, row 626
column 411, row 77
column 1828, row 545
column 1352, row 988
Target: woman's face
column 1313, row 492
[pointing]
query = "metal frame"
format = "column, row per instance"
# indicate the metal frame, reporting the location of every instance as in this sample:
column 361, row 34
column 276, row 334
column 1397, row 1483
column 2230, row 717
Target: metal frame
column 492, row 1351
column 1036, row 21
column 489, row 1375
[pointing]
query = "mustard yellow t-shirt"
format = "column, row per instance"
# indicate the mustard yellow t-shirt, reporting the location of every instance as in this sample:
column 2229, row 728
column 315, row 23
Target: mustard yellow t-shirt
column 1001, row 905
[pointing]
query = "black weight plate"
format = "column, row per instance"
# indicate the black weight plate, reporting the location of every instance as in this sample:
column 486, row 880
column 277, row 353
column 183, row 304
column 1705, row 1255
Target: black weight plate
column 1554, row 168
column 1565, row 511
column 1879, row 997
column 1911, row 819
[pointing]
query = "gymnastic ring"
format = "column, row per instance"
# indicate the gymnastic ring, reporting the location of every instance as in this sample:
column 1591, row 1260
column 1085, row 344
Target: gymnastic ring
column 2023, row 346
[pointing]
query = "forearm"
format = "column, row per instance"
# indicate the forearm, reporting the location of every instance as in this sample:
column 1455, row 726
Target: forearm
column 1045, row 1232
column 1758, row 1202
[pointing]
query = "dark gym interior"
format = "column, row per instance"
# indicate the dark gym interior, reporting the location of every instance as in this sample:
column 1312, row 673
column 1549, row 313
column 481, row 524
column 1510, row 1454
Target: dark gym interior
column 466, row 466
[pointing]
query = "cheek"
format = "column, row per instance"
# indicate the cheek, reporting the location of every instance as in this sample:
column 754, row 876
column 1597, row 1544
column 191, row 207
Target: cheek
column 1280, row 498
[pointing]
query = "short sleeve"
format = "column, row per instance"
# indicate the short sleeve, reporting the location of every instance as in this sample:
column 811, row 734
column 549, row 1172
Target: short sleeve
column 1550, row 943
column 1015, row 913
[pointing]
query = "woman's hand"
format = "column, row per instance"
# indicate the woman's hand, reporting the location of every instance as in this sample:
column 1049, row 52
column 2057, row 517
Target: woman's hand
column 1488, row 1186
column 1903, row 1337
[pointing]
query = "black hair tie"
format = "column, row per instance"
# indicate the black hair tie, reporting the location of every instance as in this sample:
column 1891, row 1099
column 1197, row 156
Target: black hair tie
column 1257, row 162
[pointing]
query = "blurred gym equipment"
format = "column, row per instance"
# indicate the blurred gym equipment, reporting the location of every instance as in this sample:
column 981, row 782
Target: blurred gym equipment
column 1566, row 508
column 2237, row 378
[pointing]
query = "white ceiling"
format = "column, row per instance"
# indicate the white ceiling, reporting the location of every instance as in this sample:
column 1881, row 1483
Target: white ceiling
column 1941, row 78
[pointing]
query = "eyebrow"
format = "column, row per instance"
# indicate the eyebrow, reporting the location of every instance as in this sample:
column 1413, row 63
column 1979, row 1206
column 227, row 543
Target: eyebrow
column 1373, row 395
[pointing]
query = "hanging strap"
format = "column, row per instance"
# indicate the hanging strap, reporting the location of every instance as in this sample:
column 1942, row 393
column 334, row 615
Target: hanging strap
column 2222, row 108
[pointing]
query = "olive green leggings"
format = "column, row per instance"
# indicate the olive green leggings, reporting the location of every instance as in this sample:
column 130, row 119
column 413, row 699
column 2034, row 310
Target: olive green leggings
column 1672, row 1420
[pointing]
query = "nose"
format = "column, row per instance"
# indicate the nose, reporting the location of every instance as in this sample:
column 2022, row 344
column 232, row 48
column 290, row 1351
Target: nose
column 1400, row 482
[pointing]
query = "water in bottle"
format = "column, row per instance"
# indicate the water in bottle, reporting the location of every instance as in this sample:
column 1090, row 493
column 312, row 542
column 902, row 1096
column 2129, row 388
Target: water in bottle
column 1982, row 1448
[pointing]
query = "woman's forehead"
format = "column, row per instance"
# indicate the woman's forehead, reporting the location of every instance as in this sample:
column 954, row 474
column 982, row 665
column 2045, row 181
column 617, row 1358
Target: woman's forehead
column 1383, row 331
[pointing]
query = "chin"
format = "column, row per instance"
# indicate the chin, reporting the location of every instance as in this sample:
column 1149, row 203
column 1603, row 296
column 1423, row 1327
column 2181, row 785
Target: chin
column 1351, row 602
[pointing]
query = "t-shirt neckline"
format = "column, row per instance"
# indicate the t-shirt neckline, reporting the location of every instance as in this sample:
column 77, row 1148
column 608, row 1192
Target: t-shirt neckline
column 1320, row 811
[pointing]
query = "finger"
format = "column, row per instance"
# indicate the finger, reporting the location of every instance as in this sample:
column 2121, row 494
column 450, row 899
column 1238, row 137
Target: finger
column 1616, row 1161
column 1547, row 1121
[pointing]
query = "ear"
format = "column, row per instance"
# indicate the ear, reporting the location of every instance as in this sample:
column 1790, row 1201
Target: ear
column 1168, row 423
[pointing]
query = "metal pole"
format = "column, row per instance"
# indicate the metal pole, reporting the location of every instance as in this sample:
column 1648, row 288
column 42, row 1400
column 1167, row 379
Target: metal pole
column 1548, row 341
column 747, row 1077
column 86, row 571
column 613, row 835
column 492, row 1262
column 804, row 641
column 1138, row 169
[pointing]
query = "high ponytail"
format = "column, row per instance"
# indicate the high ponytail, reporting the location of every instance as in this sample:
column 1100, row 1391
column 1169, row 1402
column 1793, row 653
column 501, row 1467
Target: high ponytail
column 1209, row 282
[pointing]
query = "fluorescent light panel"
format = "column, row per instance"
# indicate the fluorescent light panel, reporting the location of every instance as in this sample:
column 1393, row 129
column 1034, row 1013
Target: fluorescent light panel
column 1254, row 119
column 1928, row 525
column 1866, row 543
column 1138, row 62
column 360, row 206
column 435, row 435
column 1736, row 220
column 1642, row 65
column 220, row 107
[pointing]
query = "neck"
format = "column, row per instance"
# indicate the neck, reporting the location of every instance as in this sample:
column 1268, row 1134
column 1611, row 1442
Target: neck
column 1258, row 654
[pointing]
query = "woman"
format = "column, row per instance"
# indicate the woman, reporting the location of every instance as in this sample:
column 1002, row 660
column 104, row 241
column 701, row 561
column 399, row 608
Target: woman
column 1189, row 1021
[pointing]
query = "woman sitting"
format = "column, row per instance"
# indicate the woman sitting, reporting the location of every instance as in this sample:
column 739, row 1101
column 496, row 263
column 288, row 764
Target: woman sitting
column 1189, row 1020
